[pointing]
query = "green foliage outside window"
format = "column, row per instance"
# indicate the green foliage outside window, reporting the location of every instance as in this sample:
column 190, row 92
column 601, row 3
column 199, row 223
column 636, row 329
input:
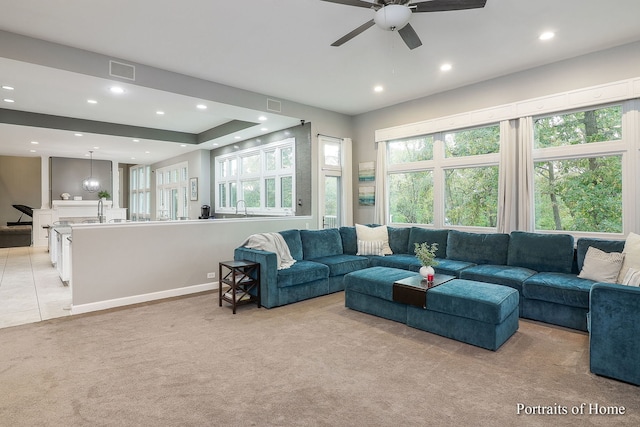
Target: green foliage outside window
column 471, row 196
column 410, row 150
column 581, row 194
column 411, row 197
column 472, row 142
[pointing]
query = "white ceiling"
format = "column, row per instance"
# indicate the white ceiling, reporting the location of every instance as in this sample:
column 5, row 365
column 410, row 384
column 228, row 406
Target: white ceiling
column 280, row 48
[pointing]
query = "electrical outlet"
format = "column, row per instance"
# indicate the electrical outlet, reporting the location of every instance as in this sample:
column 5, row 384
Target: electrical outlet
column 211, row 275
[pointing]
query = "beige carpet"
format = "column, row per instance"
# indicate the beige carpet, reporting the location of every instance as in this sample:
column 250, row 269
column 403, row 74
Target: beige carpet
column 188, row 362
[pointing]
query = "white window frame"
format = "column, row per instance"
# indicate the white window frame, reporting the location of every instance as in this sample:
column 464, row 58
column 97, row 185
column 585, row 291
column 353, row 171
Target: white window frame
column 623, row 147
column 140, row 193
column 438, row 165
column 164, row 189
column 261, row 175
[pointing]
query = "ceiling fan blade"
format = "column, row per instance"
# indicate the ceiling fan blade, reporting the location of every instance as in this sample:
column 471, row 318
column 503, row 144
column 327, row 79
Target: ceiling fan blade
column 445, row 5
column 342, row 40
column 357, row 3
column 410, row 37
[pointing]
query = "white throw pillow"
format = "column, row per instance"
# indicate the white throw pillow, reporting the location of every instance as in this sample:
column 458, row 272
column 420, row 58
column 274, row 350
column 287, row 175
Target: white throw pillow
column 632, row 278
column 601, row 266
column 370, row 234
column 370, row 247
column 631, row 255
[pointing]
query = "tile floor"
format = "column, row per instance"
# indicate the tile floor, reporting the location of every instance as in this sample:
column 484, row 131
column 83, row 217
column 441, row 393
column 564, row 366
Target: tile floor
column 30, row 287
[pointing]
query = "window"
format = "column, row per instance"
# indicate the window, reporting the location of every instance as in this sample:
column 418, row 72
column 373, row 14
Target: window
column 172, row 192
column 263, row 184
column 445, row 179
column 140, row 193
column 578, row 171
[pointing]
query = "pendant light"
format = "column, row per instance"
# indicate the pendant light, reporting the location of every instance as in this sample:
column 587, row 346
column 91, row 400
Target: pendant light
column 91, row 184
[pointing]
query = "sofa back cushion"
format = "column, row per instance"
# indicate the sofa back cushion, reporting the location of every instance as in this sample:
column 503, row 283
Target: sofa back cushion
column 551, row 253
column 489, row 248
column 321, row 243
column 422, row 235
column 605, row 245
column 399, row 239
column 292, row 238
column 349, row 240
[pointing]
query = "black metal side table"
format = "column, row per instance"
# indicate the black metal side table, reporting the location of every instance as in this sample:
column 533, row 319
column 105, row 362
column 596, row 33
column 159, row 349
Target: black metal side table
column 242, row 277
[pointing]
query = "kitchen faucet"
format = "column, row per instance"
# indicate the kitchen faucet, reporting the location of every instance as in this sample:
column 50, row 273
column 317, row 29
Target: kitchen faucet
column 100, row 211
column 245, row 207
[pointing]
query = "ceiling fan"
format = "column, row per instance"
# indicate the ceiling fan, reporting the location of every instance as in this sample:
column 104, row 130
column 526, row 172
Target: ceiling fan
column 394, row 15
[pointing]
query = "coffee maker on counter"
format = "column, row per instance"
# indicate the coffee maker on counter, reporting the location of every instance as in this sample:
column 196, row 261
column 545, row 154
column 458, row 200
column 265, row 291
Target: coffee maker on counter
column 205, row 212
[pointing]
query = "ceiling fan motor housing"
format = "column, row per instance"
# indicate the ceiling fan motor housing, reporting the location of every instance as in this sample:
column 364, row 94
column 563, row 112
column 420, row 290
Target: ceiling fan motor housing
column 392, row 17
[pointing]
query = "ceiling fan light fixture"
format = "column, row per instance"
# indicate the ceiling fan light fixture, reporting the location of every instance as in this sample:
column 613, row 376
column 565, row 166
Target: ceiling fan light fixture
column 392, row 17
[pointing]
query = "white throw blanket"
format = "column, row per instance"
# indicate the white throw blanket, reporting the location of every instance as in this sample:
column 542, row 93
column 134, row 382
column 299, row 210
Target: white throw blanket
column 271, row 242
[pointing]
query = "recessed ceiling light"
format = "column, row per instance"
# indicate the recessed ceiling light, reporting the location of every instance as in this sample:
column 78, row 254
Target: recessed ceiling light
column 183, row 145
column 378, row 88
column 262, row 118
column 92, row 101
column 264, row 129
column 77, row 134
column 446, row 67
column 35, row 142
column 116, row 89
column 160, row 113
column 147, row 152
column 135, row 140
column 133, row 158
column 547, row 35
column 7, row 87
column 215, row 144
column 201, row 107
column 32, row 151
column 9, row 100
column 96, row 148
column 237, row 137
column 237, row 147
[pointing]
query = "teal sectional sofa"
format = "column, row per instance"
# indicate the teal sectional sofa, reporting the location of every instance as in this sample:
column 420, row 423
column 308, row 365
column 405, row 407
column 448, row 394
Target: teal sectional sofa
column 543, row 268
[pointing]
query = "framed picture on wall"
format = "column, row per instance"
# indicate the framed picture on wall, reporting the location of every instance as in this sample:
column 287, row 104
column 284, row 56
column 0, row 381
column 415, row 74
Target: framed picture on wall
column 366, row 172
column 194, row 188
column 367, row 195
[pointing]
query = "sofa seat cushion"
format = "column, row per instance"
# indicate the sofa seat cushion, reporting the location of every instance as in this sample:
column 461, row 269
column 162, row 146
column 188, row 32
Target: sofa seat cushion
column 343, row 264
column 559, row 288
column 402, row 261
column 484, row 302
column 375, row 281
column 451, row 267
column 513, row 277
column 302, row 272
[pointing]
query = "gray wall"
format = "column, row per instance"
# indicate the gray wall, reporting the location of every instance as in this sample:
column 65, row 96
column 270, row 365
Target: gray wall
column 584, row 71
column 20, row 184
column 66, row 176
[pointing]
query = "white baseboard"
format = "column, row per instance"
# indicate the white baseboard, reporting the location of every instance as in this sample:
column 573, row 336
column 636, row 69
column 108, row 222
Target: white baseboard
column 137, row 299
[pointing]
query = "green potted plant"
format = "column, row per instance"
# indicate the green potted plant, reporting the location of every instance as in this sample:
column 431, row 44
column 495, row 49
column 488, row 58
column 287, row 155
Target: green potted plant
column 426, row 253
column 104, row 194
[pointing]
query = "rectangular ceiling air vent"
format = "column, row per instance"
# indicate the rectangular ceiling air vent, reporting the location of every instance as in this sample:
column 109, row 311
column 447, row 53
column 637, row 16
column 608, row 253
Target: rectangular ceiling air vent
column 273, row 105
column 124, row 71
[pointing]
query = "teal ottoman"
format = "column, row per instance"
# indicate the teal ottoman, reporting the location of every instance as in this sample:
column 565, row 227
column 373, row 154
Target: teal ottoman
column 477, row 313
column 371, row 291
